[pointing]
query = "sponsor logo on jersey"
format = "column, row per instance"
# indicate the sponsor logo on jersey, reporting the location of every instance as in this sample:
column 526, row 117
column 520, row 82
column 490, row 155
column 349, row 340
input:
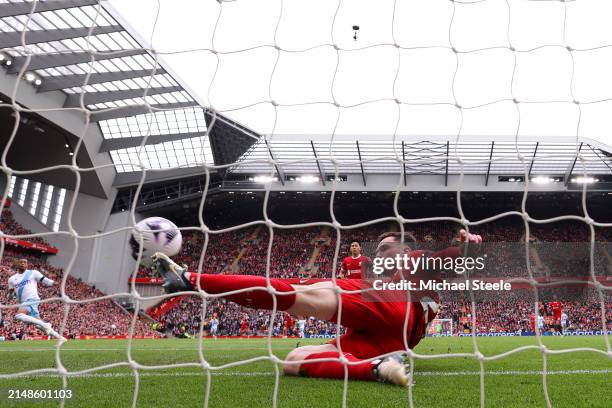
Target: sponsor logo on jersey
column 23, row 283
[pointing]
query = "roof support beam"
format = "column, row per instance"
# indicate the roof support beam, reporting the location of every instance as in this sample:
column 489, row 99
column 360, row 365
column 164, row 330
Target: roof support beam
column 133, row 110
column 229, row 141
column 71, row 81
column 446, row 170
column 133, row 177
column 212, row 190
column 533, row 159
column 321, row 175
column 489, row 165
column 127, row 142
column 404, row 163
column 281, row 174
column 603, row 160
column 92, row 98
column 361, row 163
column 568, row 172
column 13, row 39
column 17, row 9
column 44, row 61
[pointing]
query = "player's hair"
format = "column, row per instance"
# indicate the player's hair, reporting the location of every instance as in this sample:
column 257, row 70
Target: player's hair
column 16, row 261
column 356, row 242
column 395, row 234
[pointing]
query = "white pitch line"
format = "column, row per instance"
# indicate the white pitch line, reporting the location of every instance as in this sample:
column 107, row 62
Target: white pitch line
column 142, row 373
column 510, row 372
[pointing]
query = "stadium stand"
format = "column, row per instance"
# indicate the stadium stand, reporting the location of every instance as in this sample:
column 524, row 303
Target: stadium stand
column 11, row 227
column 244, row 251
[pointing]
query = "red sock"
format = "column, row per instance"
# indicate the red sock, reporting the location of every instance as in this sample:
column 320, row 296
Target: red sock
column 335, row 369
column 257, row 299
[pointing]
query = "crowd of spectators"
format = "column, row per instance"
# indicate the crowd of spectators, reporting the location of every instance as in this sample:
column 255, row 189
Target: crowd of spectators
column 514, row 312
column 221, row 250
column 9, row 226
column 245, row 251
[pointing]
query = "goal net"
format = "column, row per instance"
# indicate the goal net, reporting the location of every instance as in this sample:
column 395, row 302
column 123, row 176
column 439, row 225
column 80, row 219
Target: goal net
column 395, row 89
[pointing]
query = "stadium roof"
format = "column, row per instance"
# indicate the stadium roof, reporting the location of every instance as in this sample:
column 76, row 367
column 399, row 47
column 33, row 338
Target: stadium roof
column 299, row 76
column 128, row 93
column 313, row 154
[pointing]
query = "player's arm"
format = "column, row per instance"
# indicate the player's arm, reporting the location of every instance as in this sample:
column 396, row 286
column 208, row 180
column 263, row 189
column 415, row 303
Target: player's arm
column 472, row 241
column 457, row 250
column 43, row 279
column 459, row 244
column 11, row 291
column 366, row 267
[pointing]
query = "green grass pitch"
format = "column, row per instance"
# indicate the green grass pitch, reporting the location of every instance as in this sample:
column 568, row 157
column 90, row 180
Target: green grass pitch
column 579, row 379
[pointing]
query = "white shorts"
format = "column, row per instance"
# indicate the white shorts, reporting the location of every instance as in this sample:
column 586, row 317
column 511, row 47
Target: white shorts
column 32, row 307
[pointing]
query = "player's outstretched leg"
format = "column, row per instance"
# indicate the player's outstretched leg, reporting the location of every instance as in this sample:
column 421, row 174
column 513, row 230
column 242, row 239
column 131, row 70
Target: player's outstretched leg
column 44, row 326
column 389, row 369
column 177, row 278
column 251, row 290
column 48, row 329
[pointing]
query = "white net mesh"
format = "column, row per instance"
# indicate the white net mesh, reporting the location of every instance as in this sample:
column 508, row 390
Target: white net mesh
column 397, row 99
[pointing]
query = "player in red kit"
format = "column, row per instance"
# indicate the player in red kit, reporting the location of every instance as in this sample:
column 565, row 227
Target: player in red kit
column 556, row 309
column 383, row 325
column 351, row 266
column 244, row 325
column 288, row 325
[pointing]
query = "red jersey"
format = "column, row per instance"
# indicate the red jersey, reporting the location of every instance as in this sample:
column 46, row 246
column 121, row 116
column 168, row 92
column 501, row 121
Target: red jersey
column 377, row 327
column 351, row 267
column 288, row 325
column 556, row 309
column 288, row 321
column 376, row 320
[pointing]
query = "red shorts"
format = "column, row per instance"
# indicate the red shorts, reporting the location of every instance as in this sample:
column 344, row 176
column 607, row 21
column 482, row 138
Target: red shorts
column 556, row 314
column 376, row 327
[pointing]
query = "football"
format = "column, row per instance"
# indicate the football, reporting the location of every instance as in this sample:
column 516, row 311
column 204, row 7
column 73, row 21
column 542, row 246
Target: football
column 155, row 234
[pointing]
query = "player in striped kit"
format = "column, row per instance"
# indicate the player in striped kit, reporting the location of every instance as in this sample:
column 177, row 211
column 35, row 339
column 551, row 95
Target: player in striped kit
column 25, row 285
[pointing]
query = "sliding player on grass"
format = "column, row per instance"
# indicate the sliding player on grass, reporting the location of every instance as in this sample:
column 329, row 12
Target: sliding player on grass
column 25, row 284
column 375, row 321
